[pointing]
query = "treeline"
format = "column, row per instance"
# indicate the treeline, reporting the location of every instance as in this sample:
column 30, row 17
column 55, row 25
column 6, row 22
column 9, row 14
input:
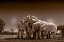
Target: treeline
column 8, row 33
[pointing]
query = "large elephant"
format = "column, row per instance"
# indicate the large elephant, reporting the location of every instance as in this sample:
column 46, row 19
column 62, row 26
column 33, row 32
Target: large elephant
column 36, row 30
column 20, row 29
column 35, row 26
column 49, row 28
column 24, row 25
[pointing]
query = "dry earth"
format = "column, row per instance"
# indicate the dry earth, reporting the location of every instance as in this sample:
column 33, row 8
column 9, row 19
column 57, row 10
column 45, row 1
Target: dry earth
column 20, row 40
column 12, row 38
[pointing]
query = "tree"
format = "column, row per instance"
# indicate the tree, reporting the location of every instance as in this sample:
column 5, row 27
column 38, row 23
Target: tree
column 2, row 24
column 12, row 30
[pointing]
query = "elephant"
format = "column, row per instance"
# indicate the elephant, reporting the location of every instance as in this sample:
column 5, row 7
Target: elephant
column 20, row 30
column 36, row 30
column 23, row 27
column 49, row 28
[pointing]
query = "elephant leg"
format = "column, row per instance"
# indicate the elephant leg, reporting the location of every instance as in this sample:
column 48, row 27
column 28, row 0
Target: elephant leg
column 53, row 36
column 21, row 35
column 47, row 36
column 18, row 35
column 34, row 34
column 29, row 35
column 42, row 34
column 38, row 34
column 26, row 34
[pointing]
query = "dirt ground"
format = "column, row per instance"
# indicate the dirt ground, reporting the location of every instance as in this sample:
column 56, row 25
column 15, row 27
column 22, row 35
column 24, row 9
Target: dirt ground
column 22, row 40
column 31, row 40
column 13, row 38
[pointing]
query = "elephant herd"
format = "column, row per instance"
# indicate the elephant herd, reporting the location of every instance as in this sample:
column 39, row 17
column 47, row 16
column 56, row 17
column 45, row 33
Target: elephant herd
column 35, row 28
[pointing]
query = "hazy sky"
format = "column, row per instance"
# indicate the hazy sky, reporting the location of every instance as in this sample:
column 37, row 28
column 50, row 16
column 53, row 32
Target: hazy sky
column 46, row 11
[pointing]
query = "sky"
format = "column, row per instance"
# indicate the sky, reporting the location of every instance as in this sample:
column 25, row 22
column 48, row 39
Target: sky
column 11, row 12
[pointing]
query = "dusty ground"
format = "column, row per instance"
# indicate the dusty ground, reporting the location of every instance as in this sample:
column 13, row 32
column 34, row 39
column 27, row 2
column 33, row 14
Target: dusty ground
column 12, row 38
column 20, row 40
